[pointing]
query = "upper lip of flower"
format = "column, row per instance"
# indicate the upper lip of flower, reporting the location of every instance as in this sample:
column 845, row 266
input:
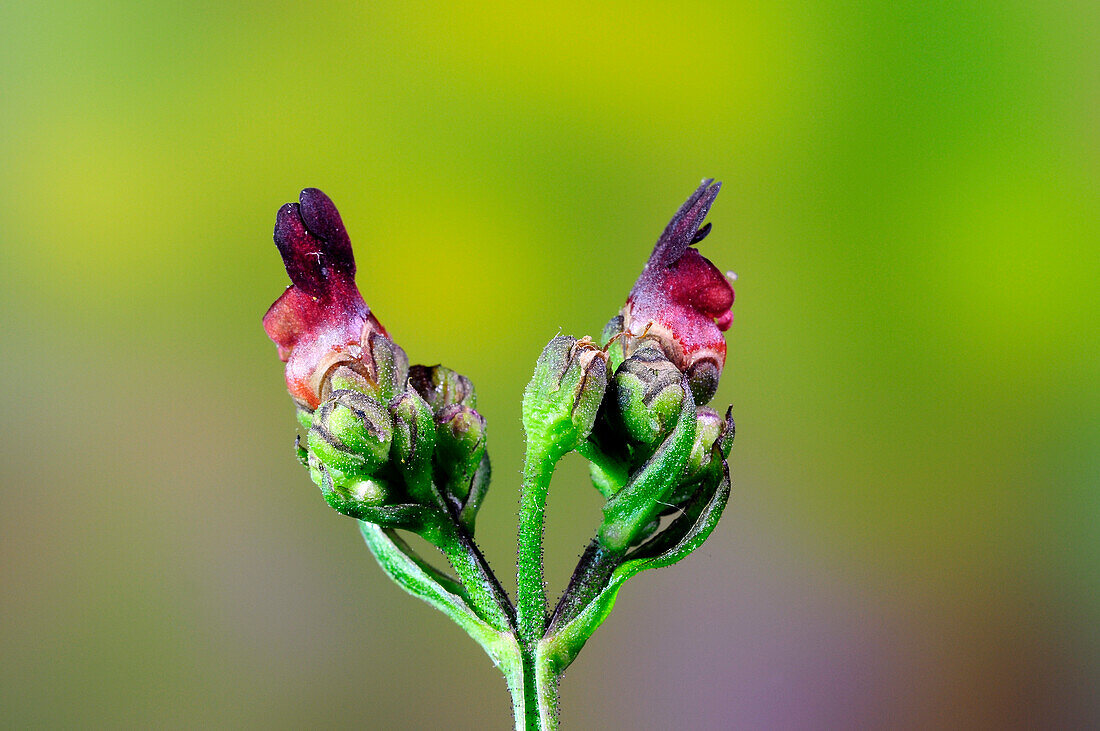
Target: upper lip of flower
column 321, row 319
column 681, row 298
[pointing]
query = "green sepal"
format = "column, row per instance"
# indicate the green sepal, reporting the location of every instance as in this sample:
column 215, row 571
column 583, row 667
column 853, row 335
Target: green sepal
column 612, row 341
column 709, row 430
column 561, row 646
column 304, row 417
column 689, row 513
column 349, row 377
column 479, row 488
column 391, row 367
column 725, row 444
column 631, row 509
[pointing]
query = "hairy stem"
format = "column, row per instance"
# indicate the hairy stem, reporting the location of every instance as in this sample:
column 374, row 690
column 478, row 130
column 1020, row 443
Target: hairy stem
column 536, row 704
column 530, row 582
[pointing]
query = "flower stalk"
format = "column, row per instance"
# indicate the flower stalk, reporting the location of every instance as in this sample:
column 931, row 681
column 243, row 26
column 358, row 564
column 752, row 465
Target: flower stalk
column 402, row 448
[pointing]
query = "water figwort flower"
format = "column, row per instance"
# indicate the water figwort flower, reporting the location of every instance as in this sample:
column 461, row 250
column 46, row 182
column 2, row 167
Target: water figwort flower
column 402, row 448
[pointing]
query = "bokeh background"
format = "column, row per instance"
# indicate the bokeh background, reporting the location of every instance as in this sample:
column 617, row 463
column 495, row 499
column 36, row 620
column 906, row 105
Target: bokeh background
column 911, row 203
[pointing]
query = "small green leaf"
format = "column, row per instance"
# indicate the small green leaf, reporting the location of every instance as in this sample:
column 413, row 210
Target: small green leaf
column 562, row 646
column 631, row 509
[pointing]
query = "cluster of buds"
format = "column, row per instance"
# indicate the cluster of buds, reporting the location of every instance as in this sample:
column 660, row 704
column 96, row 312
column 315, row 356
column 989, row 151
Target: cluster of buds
column 391, row 444
column 403, row 447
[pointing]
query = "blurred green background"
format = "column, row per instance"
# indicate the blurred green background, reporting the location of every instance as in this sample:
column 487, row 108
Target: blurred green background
column 912, row 204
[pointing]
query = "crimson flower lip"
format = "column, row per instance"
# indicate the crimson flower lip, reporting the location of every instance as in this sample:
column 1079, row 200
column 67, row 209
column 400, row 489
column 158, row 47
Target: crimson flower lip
column 321, row 320
column 681, row 299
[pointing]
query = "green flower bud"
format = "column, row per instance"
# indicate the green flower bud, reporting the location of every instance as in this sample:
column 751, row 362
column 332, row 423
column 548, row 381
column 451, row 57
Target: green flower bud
column 629, row 513
column 460, row 445
column 413, row 442
column 708, row 429
column 441, row 387
column 348, row 494
column 648, row 391
column 562, row 399
column 351, row 435
column 713, row 439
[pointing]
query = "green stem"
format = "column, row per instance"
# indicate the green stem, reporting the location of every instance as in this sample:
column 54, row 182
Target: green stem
column 530, row 583
column 535, row 695
column 546, row 688
column 483, row 589
column 488, row 597
column 516, row 678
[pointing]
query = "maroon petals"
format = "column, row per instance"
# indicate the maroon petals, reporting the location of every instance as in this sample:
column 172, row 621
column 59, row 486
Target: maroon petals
column 683, row 230
column 313, row 242
column 323, row 221
column 321, row 320
column 681, row 298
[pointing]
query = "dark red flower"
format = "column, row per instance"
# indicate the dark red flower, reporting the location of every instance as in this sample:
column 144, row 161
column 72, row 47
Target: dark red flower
column 681, row 299
column 321, row 320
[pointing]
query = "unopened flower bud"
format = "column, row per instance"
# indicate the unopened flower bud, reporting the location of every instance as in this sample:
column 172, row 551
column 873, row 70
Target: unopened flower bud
column 391, row 366
column 479, row 488
column 562, row 399
column 345, row 494
column 648, row 392
column 708, row 429
column 460, row 445
column 413, row 442
column 713, row 440
column 440, row 386
column 351, row 435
